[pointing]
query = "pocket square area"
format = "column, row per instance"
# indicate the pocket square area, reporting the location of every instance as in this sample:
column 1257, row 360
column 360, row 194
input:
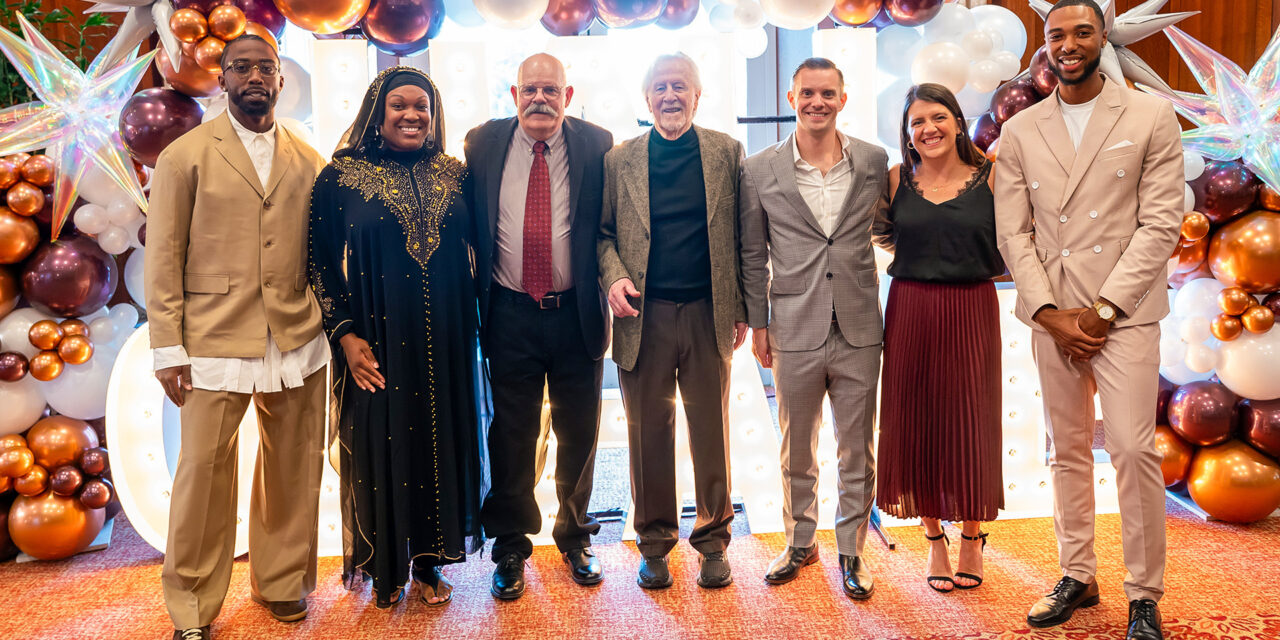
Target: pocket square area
column 1119, row 145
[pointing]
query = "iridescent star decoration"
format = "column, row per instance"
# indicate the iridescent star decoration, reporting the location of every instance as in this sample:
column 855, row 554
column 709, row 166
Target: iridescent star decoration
column 1238, row 115
column 142, row 17
column 1118, row 61
column 77, row 118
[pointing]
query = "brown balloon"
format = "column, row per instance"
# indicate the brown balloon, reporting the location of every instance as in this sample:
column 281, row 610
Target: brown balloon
column 1192, row 255
column 1268, row 198
column 94, row 461
column 1258, row 319
column 15, row 462
column 1233, row 482
column 75, row 349
column 255, row 29
column 75, row 327
column 855, row 12
column 323, row 16
column 192, row 79
column 96, row 493
column 1175, row 455
column 10, row 441
column 1226, row 327
column 1195, row 225
column 1234, row 301
column 189, row 25
column 10, row 173
column 66, row 480
column 59, row 440
column 1245, row 252
column 39, row 170
column 1271, row 302
column 208, row 54
column 52, row 527
column 227, row 22
column 13, row 366
column 25, row 199
column 19, row 236
column 33, row 483
column 45, row 335
column 1260, row 425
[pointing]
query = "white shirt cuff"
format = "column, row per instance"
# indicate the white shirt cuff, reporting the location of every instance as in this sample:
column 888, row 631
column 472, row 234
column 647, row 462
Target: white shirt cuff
column 166, row 357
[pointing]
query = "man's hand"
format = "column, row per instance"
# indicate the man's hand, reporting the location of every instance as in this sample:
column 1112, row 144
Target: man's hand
column 739, row 334
column 176, row 382
column 1092, row 324
column 360, row 360
column 1064, row 327
column 760, row 347
column 618, row 293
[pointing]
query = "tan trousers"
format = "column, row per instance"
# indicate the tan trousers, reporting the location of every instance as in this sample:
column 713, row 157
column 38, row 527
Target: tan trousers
column 284, row 511
column 1125, row 374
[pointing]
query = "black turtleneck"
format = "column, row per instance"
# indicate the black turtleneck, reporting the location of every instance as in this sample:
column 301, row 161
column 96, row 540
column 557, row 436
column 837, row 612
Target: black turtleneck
column 679, row 252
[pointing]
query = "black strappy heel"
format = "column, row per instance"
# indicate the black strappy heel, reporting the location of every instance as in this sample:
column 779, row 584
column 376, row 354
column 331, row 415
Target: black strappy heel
column 978, row 579
column 929, row 579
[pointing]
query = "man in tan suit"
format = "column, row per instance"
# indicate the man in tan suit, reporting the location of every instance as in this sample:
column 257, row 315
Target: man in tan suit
column 668, row 254
column 233, row 320
column 1088, row 204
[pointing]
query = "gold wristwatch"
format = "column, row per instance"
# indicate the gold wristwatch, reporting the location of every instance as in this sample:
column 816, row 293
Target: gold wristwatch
column 1105, row 311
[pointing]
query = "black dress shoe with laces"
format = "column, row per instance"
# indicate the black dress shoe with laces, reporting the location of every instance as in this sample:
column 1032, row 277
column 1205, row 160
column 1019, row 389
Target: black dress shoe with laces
column 584, row 568
column 508, row 578
column 786, row 567
column 654, row 573
column 1067, row 596
column 194, row 633
column 856, row 577
column 1144, row 620
column 713, row 571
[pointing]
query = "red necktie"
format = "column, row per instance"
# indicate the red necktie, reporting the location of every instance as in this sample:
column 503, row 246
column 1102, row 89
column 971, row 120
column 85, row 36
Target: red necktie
column 536, row 261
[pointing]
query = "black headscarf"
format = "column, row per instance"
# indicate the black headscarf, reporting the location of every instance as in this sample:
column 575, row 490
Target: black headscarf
column 363, row 137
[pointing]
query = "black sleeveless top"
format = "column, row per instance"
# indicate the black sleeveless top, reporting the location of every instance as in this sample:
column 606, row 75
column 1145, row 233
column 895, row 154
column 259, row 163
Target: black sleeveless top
column 954, row 241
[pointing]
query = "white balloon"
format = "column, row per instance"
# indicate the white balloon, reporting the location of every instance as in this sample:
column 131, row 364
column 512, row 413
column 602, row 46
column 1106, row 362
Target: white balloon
column 1172, row 348
column 125, row 318
column 102, row 330
column 295, row 97
column 511, row 14
column 889, row 106
column 115, row 240
column 23, row 403
column 1192, row 166
column 896, row 48
column 1009, row 64
column 1200, row 358
column 1194, row 329
column 463, row 12
column 973, row 103
column 951, row 23
column 81, row 391
column 796, row 14
column 91, row 219
column 14, row 328
column 748, row 14
column 945, row 63
column 1188, row 198
column 985, row 76
column 978, row 43
column 721, row 18
column 122, row 211
column 992, row 17
column 1180, row 374
column 1198, row 298
column 751, row 43
column 134, row 281
column 97, row 187
column 997, row 39
column 132, row 230
column 1247, row 365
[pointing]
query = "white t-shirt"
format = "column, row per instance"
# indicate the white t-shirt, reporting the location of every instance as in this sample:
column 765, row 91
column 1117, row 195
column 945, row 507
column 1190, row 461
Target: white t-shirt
column 1077, row 117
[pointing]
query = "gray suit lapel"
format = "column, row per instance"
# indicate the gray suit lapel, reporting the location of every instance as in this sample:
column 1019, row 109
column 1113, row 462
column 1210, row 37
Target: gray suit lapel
column 713, row 159
column 859, row 172
column 783, row 164
column 635, row 176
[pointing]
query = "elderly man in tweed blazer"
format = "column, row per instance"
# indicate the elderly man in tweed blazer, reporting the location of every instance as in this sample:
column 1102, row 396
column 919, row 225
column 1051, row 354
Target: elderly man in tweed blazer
column 668, row 258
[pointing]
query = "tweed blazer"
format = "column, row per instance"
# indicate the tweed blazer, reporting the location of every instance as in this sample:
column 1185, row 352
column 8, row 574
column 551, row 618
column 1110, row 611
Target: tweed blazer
column 1101, row 221
column 226, row 256
column 623, row 243
column 794, row 276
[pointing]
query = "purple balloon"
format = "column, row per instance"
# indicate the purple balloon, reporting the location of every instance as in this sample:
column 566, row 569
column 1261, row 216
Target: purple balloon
column 569, row 17
column 912, row 13
column 1203, row 412
column 265, row 13
column 402, row 27
column 153, row 118
column 1011, row 98
column 69, row 277
column 984, row 131
column 1260, row 425
column 678, row 13
column 882, row 20
column 620, row 14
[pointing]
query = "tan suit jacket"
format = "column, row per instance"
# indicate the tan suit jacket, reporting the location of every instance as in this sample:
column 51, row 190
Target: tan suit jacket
column 226, row 256
column 623, row 244
column 1102, row 221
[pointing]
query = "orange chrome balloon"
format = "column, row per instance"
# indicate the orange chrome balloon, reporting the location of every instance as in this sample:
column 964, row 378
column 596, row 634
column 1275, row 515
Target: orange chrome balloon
column 1192, row 255
column 15, row 462
column 75, row 327
column 227, row 22
column 46, row 366
column 19, row 236
column 19, row 158
column 75, row 349
column 45, row 335
column 188, row 25
column 1195, row 225
column 6, row 483
column 10, row 441
column 34, row 482
column 52, row 527
column 855, row 12
column 10, row 172
column 1233, row 482
column 39, row 171
column 255, row 29
column 1175, row 455
column 1258, row 319
column 25, row 199
column 1226, row 328
column 323, row 16
column 1234, row 301
column 1268, row 198
column 192, row 79
column 1246, row 252
column 59, row 440
column 209, row 54
column 9, row 291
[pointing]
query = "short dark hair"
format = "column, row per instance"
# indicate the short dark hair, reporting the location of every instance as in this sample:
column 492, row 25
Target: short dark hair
column 1102, row 20
column 817, row 64
column 937, row 94
column 246, row 37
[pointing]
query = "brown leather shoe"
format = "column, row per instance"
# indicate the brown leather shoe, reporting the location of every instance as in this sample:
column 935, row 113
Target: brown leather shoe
column 194, row 633
column 291, row 611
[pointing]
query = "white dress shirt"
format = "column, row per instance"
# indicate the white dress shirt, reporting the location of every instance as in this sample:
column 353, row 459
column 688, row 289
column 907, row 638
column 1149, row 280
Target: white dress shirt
column 275, row 371
column 1077, row 117
column 508, row 264
column 825, row 195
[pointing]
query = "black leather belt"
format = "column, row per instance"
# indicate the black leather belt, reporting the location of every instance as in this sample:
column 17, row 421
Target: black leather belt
column 553, row 300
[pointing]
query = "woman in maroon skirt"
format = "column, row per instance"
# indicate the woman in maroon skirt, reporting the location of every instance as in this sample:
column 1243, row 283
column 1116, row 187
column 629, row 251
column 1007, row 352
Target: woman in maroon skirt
column 939, row 453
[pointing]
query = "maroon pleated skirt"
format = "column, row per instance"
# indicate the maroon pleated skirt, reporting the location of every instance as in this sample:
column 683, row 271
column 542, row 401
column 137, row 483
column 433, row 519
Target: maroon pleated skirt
column 939, row 453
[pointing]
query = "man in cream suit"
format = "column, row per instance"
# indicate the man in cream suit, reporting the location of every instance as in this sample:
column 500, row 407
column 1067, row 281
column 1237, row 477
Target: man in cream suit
column 668, row 251
column 810, row 208
column 233, row 321
column 1088, row 204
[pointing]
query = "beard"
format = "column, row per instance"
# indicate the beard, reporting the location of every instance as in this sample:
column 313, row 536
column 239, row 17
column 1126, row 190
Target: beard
column 1090, row 68
column 255, row 106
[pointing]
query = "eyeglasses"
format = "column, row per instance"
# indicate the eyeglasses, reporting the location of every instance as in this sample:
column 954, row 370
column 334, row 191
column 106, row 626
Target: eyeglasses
column 242, row 68
column 550, row 92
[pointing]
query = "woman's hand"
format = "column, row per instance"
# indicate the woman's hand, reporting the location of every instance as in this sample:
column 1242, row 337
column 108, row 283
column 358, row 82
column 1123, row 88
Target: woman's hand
column 363, row 366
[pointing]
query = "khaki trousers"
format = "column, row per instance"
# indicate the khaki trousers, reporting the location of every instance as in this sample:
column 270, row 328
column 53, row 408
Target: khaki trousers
column 1125, row 374
column 284, row 511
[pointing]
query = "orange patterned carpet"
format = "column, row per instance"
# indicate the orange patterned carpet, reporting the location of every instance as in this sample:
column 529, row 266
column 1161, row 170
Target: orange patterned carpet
column 1221, row 581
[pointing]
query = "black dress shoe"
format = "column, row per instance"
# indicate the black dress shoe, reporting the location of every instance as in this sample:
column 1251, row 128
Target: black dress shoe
column 1144, row 620
column 583, row 566
column 508, row 578
column 194, row 633
column 290, row 611
column 713, row 571
column 786, row 567
column 857, row 581
column 1067, row 596
column 654, row 573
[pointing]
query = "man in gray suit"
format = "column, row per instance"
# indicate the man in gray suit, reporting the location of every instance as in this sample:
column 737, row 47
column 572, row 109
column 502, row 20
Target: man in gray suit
column 811, row 207
column 668, row 255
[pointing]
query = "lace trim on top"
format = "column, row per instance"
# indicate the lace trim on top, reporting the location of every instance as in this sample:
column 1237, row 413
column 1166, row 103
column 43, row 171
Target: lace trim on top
column 979, row 177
